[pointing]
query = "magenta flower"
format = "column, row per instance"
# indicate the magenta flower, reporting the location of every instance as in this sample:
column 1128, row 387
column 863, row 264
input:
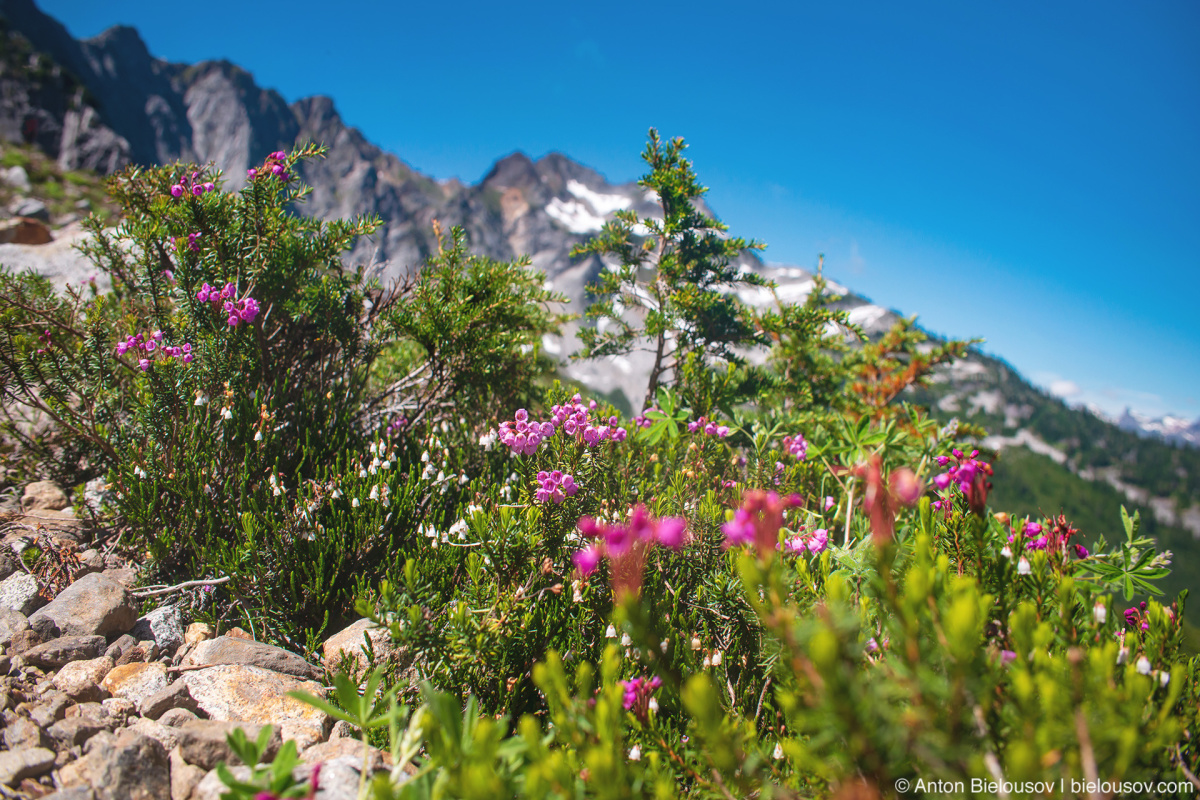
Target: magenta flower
column 587, row 559
column 176, row 191
column 637, row 696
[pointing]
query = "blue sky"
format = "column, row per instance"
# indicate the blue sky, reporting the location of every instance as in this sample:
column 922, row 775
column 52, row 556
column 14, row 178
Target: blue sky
column 1024, row 172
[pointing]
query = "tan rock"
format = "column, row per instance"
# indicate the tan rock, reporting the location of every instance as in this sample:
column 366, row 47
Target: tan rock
column 136, row 681
column 352, row 643
column 238, row 633
column 232, row 650
column 346, row 748
column 253, row 694
column 45, row 495
column 81, row 679
column 198, row 632
column 184, row 776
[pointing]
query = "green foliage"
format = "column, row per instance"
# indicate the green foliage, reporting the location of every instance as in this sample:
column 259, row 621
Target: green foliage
column 346, row 446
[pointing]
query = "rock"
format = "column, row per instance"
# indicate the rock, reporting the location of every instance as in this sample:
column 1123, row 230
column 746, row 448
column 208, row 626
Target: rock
column 197, row 632
column 23, row 732
column 163, row 626
column 174, row 696
column 254, row 694
column 238, row 633
column 51, row 707
column 17, row 765
column 119, row 709
column 231, row 650
column 176, row 717
column 346, row 748
column 8, row 563
column 25, row 230
column 184, row 776
column 75, row 793
column 90, row 561
column 65, row 649
column 96, row 493
column 351, row 643
column 165, row 735
column 338, row 781
column 30, row 207
column 11, row 622
column 136, row 681
column 203, row 742
column 74, row 731
column 126, row 576
column 341, row 729
column 111, row 718
column 120, row 646
column 44, row 495
column 81, row 679
column 93, row 605
column 24, row 641
column 16, row 177
column 19, row 592
column 133, row 767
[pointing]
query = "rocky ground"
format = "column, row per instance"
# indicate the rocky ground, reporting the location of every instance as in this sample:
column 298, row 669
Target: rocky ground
column 103, row 702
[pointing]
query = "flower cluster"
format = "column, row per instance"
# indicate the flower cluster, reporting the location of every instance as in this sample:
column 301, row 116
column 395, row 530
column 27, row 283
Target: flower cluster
column 639, row 697
column 193, row 243
column 969, row 474
column 147, row 348
column 195, row 186
column 524, row 435
column 555, row 486
column 758, row 520
column 237, row 311
column 1136, row 618
column 796, row 446
column 708, row 428
column 273, row 166
column 626, row 545
column 814, row 542
column 642, row 421
column 1053, row 537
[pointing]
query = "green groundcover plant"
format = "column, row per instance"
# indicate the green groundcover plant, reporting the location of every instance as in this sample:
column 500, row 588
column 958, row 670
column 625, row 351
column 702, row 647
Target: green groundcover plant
column 776, row 580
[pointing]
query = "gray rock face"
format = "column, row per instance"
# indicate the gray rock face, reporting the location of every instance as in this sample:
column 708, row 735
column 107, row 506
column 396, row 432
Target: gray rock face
column 203, row 742
column 132, row 767
column 57, row 652
column 11, row 622
column 17, row 765
column 232, row 650
column 43, row 494
column 163, row 626
column 94, row 605
column 19, row 592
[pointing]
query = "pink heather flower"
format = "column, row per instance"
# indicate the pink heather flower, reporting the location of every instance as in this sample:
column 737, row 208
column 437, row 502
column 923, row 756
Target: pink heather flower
column 521, row 416
column 187, row 358
column 233, row 321
column 818, row 541
column 144, row 363
column 197, row 189
column 1007, row 656
column 278, row 170
column 278, row 155
column 1081, row 551
column 906, row 486
column 587, row 560
column 251, row 173
column 122, row 347
column 637, row 696
column 229, row 291
column 828, row 502
column 942, row 481
column 209, row 187
column 176, row 191
column 1032, row 529
column 670, row 532
column 797, row 446
column 739, row 530
column 150, row 345
column 157, row 336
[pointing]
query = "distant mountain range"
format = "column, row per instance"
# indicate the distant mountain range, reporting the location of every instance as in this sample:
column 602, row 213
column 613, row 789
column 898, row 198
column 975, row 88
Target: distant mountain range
column 106, row 102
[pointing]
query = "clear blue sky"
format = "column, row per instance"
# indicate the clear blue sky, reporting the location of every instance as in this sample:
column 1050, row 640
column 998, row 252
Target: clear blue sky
column 1024, row 172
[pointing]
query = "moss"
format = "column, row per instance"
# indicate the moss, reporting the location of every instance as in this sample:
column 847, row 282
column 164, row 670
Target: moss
column 14, row 158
